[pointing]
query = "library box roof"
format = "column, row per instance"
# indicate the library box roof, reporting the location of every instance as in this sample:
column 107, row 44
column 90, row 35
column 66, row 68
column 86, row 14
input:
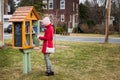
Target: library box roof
column 24, row 13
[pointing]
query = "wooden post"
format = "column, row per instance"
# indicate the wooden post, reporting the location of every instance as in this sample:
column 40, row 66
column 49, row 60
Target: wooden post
column 26, row 61
column 108, row 22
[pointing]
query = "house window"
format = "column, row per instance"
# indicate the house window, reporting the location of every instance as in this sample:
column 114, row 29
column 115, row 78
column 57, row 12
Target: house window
column 50, row 4
column 62, row 4
column 44, row 4
column 51, row 16
column 62, row 18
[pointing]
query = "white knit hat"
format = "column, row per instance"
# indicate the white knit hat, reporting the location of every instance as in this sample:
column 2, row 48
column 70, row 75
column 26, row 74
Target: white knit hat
column 46, row 21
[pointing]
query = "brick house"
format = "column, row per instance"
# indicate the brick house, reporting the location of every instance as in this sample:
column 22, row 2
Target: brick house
column 66, row 11
column 5, row 7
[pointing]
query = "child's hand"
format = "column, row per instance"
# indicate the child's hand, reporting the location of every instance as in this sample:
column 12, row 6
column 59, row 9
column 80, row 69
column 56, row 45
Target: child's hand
column 38, row 36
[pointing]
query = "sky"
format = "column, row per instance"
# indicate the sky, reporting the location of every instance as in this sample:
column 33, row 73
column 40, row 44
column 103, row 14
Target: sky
column 81, row 1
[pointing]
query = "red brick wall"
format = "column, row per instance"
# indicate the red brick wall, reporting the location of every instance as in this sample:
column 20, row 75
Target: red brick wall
column 5, row 6
column 68, row 9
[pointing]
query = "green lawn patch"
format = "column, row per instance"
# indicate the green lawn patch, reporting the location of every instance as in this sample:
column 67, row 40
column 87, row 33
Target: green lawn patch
column 72, row 61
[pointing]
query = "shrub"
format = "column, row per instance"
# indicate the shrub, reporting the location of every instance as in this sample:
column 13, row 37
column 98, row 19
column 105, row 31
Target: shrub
column 62, row 28
column 75, row 30
column 84, row 28
column 91, row 23
column 59, row 30
column 65, row 28
column 99, row 29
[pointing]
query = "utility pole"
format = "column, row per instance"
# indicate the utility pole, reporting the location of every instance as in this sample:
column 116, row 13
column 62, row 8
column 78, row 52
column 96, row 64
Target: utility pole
column 108, row 22
column 1, row 22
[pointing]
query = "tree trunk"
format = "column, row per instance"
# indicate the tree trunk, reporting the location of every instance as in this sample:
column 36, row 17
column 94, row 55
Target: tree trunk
column 108, row 22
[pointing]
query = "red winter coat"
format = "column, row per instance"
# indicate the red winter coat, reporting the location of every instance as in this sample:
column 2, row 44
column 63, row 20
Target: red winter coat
column 47, row 38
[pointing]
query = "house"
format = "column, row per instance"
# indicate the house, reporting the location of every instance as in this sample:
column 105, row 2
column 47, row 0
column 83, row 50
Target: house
column 6, row 21
column 8, row 12
column 66, row 11
column 112, row 19
column 8, row 6
column 5, row 6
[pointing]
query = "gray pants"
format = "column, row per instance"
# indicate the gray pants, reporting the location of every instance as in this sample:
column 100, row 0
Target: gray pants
column 48, row 62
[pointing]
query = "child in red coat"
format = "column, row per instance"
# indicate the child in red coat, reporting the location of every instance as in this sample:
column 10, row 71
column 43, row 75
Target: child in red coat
column 47, row 42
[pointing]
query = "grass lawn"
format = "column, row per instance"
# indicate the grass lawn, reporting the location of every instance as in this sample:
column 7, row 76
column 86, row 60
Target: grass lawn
column 72, row 61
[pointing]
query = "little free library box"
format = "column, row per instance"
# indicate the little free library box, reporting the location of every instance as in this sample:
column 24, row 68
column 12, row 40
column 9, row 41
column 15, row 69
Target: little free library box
column 24, row 27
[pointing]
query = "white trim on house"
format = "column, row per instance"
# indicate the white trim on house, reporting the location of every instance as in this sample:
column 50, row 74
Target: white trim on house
column 73, row 22
column 77, row 7
column 73, row 6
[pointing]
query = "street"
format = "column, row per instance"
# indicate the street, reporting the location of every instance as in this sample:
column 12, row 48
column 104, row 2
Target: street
column 77, row 39
column 7, row 36
column 87, row 39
